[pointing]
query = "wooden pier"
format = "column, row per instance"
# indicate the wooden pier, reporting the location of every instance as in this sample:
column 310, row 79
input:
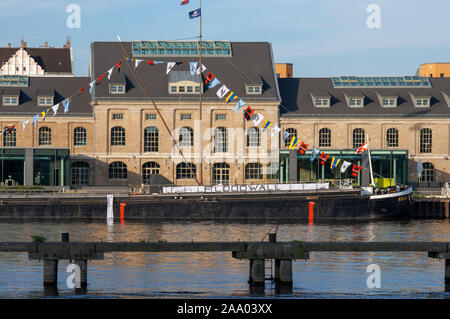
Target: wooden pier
column 256, row 252
column 428, row 208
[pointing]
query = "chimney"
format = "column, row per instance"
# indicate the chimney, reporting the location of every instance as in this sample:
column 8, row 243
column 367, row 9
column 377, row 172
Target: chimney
column 46, row 44
column 68, row 43
column 9, row 45
column 23, row 44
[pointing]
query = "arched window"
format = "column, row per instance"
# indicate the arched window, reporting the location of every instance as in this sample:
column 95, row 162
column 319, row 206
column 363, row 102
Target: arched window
column 118, row 170
column 9, row 136
column 151, row 139
column 186, row 170
column 220, row 140
column 80, row 173
column 253, row 137
column 253, row 171
column 325, row 137
column 359, row 137
column 392, row 137
column 427, row 173
column 186, row 137
column 79, row 136
column 117, row 136
column 426, row 140
column 148, row 169
column 45, row 136
column 221, row 173
column 292, row 133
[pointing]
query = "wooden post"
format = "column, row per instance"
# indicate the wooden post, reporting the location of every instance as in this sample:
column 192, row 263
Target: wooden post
column 257, row 274
column 83, row 273
column 50, row 272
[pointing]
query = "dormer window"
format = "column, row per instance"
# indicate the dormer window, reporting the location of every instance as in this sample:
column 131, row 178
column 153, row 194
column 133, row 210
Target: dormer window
column 183, row 82
column 45, row 100
column 420, row 98
column 117, row 89
column 356, row 102
column 254, row 89
column 322, row 102
column 389, row 102
column 10, row 100
column 423, row 102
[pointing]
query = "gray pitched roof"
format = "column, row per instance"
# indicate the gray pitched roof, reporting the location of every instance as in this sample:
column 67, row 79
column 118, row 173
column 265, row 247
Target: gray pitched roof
column 62, row 87
column 52, row 60
column 251, row 62
column 297, row 101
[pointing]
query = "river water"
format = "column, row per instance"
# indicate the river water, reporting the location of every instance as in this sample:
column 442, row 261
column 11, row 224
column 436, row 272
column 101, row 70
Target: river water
column 218, row 275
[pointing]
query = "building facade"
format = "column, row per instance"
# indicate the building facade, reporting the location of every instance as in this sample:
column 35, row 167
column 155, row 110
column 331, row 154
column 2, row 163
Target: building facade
column 404, row 119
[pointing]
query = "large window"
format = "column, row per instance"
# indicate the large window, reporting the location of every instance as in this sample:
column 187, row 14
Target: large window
column 392, row 137
column 426, row 139
column 148, row 169
column 117, row 136
column 118, row 170
column 186, row 170
column 427, row 173
column 45, row 136
column 220, row 140
column 324, row 137
column 151, row 139
column 80, row 173
column 253, row 137
column 253, row 171
column 221, row 173
column 9, row 137
column 292, row 133
column 359, row 137
column 79, row 136
column 186, row 137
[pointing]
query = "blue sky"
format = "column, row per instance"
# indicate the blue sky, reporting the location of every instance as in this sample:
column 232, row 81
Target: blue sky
column 320, row 37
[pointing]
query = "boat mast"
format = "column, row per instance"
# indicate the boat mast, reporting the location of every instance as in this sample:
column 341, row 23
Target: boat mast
column 200, row 95
column 370, row 163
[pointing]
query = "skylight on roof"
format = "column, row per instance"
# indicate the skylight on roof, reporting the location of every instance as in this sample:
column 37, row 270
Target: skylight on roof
column 181, row 48
column 13, row 81
column 381, row 82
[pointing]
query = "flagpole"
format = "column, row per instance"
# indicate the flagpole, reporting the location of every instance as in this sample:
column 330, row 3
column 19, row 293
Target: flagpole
column 200, row 92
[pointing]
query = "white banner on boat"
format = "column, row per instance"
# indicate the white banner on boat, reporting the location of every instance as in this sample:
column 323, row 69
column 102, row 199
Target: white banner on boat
column 244, row 188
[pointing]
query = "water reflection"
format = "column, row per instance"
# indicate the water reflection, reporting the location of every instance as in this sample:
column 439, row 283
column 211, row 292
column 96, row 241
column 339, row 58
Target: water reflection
column 201, row 275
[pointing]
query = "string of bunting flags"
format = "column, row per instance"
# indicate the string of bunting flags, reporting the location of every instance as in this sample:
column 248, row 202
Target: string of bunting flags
column 223, row 92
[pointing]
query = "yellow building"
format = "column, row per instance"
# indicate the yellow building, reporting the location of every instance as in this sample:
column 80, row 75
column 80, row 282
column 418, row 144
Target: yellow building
column 284, row 70
column 435, row 70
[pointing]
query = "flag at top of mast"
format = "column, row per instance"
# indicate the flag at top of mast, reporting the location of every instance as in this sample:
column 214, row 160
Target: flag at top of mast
column 362, row 148
column 195, row 14
column 184, row 2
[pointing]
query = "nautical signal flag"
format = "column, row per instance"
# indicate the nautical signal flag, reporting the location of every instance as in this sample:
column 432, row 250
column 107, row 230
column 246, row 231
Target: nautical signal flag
column 258, row 118
column 314, row 154
column 248, row 113
column 239, row 104
column 294, row 142
column 344, row 166
column 334, row 162
column 184, row 2
column 303, row 148
column 323, row 158
column 285, row 136
column 44, row 113
column 231, row 97
column 266, row 125
column 222, row 91
column 356, row 169
column 195, row 14
column 362, row 148
column 213, row 83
